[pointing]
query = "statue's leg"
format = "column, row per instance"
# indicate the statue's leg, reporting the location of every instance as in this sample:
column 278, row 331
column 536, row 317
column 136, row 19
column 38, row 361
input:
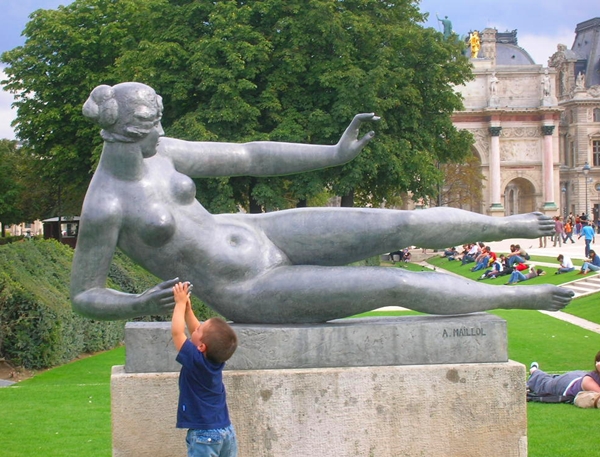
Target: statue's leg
column 300, row 294
column 337, row 236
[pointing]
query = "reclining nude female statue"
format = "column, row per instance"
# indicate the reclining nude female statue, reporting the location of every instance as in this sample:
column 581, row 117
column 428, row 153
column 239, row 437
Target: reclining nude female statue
column 279, row 267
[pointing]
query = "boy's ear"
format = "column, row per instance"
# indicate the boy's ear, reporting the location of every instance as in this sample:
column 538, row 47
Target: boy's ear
column 202, row 347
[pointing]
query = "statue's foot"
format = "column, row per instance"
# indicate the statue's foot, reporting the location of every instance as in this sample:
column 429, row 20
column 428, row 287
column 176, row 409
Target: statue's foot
column 542, row 297
column 530, row 225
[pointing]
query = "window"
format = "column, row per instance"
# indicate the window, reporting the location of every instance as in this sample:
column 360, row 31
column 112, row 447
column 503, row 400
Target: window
column 596, row 114
column 596, row 152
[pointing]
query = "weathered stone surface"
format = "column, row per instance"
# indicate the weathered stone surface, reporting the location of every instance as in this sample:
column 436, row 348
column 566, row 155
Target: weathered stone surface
column 407, row 340
column 412, row 410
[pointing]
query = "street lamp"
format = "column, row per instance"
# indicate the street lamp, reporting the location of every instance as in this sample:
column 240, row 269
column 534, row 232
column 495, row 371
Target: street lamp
column 564, row 192
column 586, row 169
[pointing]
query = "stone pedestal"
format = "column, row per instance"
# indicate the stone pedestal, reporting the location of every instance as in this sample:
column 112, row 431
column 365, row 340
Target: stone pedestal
column 380, row 387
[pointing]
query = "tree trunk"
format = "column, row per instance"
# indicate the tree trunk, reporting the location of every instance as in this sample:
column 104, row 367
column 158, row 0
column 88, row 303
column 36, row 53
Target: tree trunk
column 2, row 228
column 348, row 199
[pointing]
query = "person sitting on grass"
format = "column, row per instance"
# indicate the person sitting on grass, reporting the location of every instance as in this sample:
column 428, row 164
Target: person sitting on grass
column 471, row 255
column 450, row 252
column 499, row 268
column 572, row 383
column 516, row 276
column 517, row 255
column 566, row 264
column 483, row 259
column 593, row 263
column 460, row 254
column 202, row 405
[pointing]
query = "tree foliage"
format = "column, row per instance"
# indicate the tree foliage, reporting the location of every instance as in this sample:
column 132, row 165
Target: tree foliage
column 232, row 70
column 462, row 185
column 10, row 187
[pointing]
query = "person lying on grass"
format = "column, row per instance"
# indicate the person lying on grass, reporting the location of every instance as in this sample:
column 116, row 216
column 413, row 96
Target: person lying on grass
column 583, row 386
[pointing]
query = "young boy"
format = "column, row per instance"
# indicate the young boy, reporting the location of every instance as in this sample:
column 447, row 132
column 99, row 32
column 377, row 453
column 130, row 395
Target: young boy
column 202, row 405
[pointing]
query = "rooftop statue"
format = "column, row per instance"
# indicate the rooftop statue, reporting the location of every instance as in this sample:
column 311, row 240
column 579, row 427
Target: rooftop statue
column 279, row 267
column 475, row 43
column 447, row 25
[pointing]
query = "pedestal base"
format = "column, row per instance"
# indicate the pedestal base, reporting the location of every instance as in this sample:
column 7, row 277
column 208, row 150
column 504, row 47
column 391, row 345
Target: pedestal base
column 415, row 410
column 404, row 386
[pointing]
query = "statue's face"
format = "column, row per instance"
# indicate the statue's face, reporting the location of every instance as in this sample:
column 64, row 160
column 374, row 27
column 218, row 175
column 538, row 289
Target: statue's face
column 149, row 142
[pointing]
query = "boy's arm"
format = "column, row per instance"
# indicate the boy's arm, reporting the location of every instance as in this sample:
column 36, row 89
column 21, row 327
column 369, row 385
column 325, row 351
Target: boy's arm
column 190, row 318
column 180, row 293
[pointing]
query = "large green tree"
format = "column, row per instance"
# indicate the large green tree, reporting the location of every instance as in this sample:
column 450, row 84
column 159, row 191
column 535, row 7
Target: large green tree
column 231, row 70
column 67, row 52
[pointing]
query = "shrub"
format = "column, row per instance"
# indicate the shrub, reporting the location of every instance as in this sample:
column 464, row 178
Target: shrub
column 38, row 329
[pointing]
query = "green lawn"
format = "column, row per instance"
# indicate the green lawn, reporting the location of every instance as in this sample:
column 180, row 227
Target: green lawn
column 65, row 411
column 61, row 412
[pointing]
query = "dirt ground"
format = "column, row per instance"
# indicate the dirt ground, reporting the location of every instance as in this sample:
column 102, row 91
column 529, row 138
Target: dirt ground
column 14, row 374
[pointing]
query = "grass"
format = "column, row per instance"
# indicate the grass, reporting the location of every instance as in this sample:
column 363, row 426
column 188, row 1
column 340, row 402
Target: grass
column 61, row 412
column 65, row 411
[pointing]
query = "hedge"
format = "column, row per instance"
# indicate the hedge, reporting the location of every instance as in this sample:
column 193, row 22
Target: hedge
column 38, row 329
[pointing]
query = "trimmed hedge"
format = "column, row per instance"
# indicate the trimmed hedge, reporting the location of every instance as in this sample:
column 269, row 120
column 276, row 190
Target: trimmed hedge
column 38, row 328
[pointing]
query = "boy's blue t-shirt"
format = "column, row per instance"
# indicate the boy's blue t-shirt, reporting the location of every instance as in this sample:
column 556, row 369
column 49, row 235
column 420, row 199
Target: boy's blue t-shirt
column 202, row 403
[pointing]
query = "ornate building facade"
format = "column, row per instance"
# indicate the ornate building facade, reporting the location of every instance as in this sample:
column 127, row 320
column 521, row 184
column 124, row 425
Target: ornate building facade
column 578, row 91
column 512, row 110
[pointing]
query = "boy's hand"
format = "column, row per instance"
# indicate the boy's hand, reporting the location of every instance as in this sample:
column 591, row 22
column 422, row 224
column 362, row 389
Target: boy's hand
column 181, row 293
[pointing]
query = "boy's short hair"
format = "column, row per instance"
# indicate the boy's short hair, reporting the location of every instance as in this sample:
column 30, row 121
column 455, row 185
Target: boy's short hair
column 220, row 340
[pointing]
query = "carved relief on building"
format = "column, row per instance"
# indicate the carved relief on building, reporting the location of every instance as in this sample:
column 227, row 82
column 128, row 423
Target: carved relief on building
column 482, row 142
column 517, row 86
column 594, row 91
column 520, row 132
column 520, row 151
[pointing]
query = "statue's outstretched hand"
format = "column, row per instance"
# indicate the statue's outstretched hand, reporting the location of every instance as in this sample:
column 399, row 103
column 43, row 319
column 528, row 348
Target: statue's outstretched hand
column 349, row 145
column 158, row 299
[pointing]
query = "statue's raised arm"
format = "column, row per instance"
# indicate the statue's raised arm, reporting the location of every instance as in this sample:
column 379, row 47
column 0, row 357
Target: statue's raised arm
column 279, row 267
column 265, row 158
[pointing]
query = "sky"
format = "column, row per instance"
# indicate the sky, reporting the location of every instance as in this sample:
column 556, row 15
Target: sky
column 541, row 26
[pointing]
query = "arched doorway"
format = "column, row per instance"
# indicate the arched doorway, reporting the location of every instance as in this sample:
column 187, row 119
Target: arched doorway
column 519, row 197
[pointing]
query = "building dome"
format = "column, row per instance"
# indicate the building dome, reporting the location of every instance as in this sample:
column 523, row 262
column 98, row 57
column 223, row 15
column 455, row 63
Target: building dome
column 510, row 54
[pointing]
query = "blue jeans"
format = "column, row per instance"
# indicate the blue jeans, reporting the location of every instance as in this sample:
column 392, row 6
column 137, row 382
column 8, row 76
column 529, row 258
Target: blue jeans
column 587, row 247
column 516, row 276
column 515, row 259
column 220, row 442
column 589, row 266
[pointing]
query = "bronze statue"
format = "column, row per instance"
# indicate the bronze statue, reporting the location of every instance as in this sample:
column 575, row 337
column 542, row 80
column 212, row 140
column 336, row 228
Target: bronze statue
column 279, row 267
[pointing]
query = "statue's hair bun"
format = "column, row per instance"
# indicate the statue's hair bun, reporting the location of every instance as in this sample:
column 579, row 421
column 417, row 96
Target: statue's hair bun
column 102, row 107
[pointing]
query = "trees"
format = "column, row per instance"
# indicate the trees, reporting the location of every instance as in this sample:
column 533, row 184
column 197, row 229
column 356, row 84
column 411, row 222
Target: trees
column 240, row 71
column 462, row 185
column 9, row 185
column 67, row 53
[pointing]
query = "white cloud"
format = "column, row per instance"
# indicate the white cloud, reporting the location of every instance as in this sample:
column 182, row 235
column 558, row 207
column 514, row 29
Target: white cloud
column 7, row 114
column 541, row 47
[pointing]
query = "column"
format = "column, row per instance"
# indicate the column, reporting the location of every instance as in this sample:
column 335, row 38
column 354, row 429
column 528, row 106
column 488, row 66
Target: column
column 495, row 180
column 548, row 168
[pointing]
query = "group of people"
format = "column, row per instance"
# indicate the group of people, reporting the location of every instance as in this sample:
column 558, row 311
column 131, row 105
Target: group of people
column 578, row 226
column 515, row 263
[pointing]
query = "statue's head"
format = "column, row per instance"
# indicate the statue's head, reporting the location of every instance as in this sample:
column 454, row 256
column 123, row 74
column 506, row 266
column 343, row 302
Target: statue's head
column 126, row 112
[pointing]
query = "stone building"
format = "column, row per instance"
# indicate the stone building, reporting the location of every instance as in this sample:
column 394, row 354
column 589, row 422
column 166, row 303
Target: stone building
column 578, row 91
column 512, row 110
